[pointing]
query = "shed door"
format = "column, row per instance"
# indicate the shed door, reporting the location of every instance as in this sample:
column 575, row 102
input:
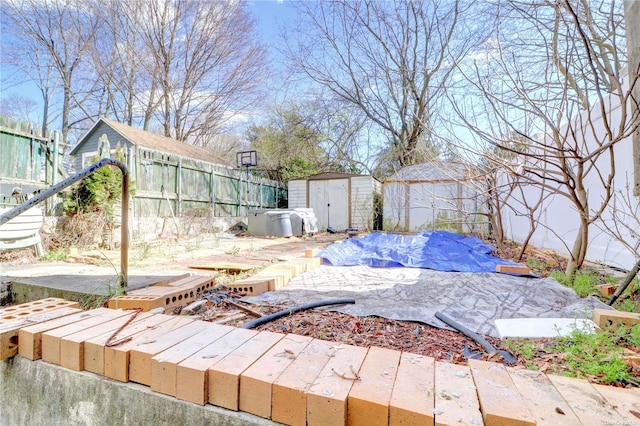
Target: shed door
column 330, row 202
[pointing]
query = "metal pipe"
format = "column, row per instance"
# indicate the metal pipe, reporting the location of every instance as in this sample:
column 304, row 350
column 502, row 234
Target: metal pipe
column 44, row 195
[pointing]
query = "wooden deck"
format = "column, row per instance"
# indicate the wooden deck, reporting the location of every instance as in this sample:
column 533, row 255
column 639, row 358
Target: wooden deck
column 300, row 380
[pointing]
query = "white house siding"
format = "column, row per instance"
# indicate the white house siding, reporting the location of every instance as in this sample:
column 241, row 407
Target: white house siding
column 297, row 193
column 559, row 220
column 362, row 190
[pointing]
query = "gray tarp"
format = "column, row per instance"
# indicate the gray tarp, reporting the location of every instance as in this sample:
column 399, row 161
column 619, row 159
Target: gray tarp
column 411, row 294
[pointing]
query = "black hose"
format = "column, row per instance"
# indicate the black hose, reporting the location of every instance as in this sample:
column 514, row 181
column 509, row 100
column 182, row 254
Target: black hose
column 464, row 330
column 267, row 318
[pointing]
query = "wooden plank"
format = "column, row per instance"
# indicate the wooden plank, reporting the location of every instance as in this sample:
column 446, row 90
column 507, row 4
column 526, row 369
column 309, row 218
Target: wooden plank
column 513, row 269
column 456, row 400
column 192, row 382
column 10, row 331
column 607, row 317
column 30, row 337
column 587, row 404
column 368, row 401
column 229, row 267
column 140, row 355
column 289, row 391
column 546, row 405
column 94, row 348
column 327, row 396
column 500, row 401
column 224, row 376
column 164, row 365
column 256, row 381
column 117, row 358
column 51, row 339
column 624, row 401
column 412, row 400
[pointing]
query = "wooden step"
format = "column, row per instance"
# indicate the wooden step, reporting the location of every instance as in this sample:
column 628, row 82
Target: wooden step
column 412, row 400
column 192, row 373
column 224, row 376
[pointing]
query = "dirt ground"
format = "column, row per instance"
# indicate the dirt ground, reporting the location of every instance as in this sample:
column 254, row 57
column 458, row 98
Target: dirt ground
column 417, row 338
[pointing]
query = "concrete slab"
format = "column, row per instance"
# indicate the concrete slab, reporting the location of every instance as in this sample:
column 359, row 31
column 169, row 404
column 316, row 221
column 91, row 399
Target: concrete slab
column 74, row 287
column 542, row 327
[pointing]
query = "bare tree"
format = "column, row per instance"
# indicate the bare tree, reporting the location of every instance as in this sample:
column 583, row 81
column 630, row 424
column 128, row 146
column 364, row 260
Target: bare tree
column 207, row 63
column 390, row 60
column 559, row 84
column 63, row 30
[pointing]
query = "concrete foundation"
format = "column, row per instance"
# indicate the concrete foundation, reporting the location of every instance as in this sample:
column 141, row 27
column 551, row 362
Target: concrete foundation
column 37, row 393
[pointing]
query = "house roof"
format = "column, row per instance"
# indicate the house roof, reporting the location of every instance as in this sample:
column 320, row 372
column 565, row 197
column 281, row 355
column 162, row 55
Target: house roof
column 145, row 139
column 433, row 171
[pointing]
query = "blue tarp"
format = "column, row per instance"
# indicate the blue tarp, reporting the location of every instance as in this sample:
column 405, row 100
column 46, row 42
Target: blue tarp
column 438, row 250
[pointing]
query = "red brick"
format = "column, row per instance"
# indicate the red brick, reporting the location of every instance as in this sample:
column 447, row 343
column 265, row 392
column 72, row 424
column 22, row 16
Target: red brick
column 412, row 400
column 192, row 374
column 257, row 380
column 369, row 398
column 94, row 348
column 30, row 337
column 224, row 376
column 164, row 365
column 51, row 339
column 117, row 358
column 500, row 401
column 327, row 396
column 140, row 355
column 289, row 391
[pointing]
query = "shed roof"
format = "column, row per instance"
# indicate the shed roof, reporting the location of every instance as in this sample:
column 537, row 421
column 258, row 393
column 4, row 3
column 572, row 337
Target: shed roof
column 145, row 139
column 433, row 171
column 333, row 175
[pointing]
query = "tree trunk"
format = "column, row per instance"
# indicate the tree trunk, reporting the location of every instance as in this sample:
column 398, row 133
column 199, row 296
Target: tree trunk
column 579, row 250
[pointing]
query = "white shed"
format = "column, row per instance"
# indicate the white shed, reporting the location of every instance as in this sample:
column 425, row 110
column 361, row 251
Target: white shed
column 339, row 200
column 434, row 195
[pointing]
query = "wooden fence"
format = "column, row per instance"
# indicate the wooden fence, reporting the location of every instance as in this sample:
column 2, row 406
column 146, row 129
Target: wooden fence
column 28, row 160
column 169, row 185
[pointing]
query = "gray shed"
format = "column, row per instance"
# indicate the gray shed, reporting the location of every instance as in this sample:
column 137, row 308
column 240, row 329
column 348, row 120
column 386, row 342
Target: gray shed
column 339, row 200
column 435, row 195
